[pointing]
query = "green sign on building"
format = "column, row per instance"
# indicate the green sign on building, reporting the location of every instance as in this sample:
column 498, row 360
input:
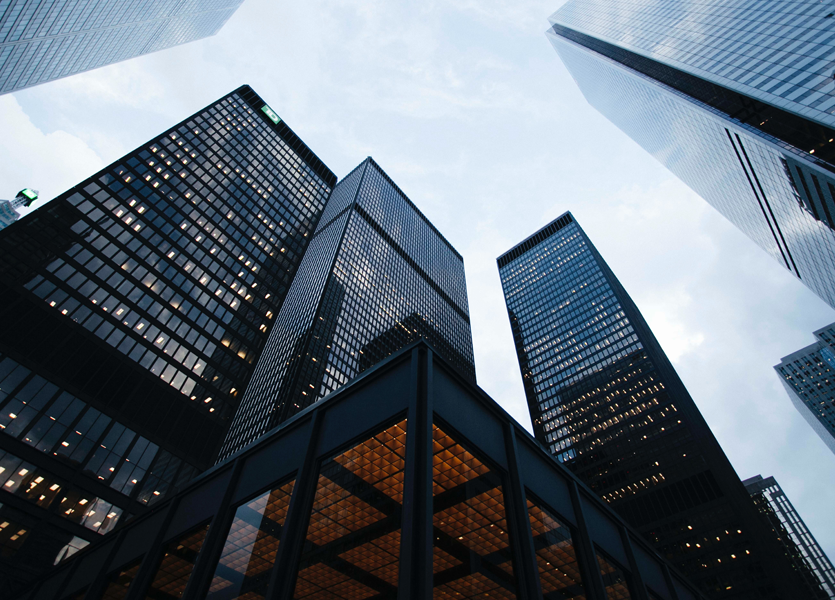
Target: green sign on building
column 271, row 114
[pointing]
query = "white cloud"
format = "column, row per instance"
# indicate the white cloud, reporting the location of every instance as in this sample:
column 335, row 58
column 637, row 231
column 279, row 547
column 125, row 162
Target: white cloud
column 48, row 162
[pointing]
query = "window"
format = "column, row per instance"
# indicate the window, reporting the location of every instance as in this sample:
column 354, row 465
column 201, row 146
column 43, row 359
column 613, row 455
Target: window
column 472, row 557
column 245, row 564
column 556, row 560
column 352, row 547
column 119, row 581
column 614, row 579
column 177, row 564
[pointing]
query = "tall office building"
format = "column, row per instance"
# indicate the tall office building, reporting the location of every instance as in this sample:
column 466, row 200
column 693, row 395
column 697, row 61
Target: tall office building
column 809, row 378
column 377, row 276
column 607, row 402
column 45, row 40
column 735, row 97
column 800, row 545
column 134, row 307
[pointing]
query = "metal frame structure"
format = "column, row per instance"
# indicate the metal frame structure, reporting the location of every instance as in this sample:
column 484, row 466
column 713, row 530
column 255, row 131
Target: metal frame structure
column 419, row 392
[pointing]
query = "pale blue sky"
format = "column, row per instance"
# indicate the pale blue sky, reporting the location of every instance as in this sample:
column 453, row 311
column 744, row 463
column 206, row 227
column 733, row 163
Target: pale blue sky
column 467, row 107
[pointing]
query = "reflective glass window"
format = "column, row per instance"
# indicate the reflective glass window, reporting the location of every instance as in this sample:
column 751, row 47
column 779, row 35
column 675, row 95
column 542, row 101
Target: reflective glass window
column 352, row 546
column 472, row 556
column 177, row 564
column 15, row 527
column 251, row 545
column 559, row 573
column 119, row 582
column 614, row 579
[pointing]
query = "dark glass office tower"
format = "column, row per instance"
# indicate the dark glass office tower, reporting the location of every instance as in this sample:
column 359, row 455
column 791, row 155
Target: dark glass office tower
column 134, row 307
column 735, row 97
column 800, row 545
column 41, row 41
column 809, row 378
column 377, row 276
column 607, row 402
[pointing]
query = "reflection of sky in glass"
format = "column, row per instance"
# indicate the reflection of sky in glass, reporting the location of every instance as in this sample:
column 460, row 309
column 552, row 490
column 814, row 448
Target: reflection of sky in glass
column 828, row 355
column 783, row 57
column 691, row 140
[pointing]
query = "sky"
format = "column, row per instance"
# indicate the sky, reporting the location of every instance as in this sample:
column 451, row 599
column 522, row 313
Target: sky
column 467, row 107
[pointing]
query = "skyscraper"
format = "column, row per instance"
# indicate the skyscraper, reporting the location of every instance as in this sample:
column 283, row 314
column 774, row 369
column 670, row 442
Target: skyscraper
column 735, row 98
column 809, row 378
column 801, row 546
column 134, row 307
column 377, row 276
column 41, row 41
column 8, row 208
column 607, row 402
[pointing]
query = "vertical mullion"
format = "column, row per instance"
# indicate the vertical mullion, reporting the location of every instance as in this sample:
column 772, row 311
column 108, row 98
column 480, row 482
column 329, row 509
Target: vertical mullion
column 639, row 588
column 209, row 554
column 587, row 557
column 283, row 576
column 517, row 512
column 415, row 569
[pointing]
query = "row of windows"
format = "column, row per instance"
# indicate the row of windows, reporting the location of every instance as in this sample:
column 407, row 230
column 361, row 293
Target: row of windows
column 40, row 414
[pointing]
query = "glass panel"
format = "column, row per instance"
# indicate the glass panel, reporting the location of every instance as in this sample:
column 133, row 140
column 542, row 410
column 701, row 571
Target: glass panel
column 251, row 545
column 117, row 587
column 559, row 574
column 614, row 579
column 472, row 556
column 73, row 546
column 353, row 538
column 15, row 527
column 177, row 565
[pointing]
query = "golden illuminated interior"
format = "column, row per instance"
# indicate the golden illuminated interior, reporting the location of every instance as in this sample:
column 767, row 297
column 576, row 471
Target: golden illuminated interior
column 117, row 587
column 353, row 537
column 614, row 580
column 177, row 564
column 251, row 545
column 555, row 557
column 472, row 555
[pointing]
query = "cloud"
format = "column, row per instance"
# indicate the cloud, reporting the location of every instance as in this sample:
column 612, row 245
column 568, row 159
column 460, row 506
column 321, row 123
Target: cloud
column 48, row 162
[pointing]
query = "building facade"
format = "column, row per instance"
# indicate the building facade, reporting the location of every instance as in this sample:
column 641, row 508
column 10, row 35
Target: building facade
column 377, row 276
column 42, row 41
column 606, row 401
column 809, row 378
column 735, row 98
column 807, row 556
column 134, row 307
column 408, row 482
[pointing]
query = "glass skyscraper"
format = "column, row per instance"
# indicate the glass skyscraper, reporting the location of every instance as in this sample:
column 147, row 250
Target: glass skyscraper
column 801, row 546
column 809, row 378
column 134, row 307
column 606, row 401
column 42, row 40
column 735, row 97
column 377, row 276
